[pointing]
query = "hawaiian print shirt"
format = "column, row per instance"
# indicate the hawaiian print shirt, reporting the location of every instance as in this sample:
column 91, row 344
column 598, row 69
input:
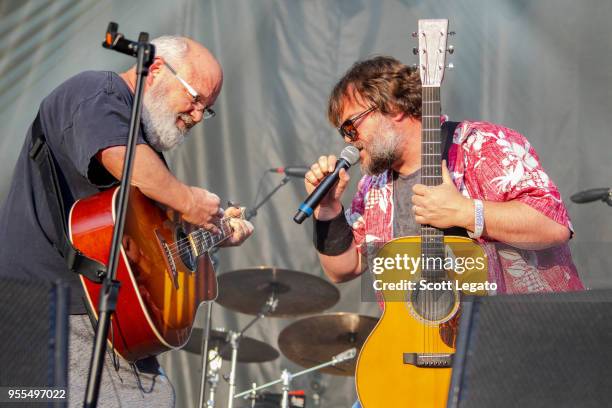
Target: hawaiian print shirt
column 492, row 163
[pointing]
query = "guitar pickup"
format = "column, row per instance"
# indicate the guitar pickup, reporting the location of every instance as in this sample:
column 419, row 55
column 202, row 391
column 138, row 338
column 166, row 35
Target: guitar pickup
column 429, row 360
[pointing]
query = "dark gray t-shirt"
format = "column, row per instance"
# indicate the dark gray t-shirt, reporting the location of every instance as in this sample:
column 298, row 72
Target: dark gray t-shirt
column 84, row 115
column 404, row 223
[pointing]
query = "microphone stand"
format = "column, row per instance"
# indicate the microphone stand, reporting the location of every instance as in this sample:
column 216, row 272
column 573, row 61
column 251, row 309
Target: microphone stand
column 249, row 213
column 252, row 212
column 109, row 291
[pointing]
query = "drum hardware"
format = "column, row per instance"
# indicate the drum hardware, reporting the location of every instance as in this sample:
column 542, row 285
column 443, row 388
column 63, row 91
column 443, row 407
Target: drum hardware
column 204, row 350
column 250, row 351
column 318, row 388
column 212, row 376
column 283, row 293
column 287, row 377
column 234, row 341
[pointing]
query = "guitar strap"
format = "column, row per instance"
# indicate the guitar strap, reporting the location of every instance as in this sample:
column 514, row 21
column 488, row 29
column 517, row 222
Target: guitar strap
column 446, row 135
column 446, row 139
column 77, row 262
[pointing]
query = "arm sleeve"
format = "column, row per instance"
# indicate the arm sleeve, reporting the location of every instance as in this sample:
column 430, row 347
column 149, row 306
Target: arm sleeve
column 504, row 166
column 99, row 122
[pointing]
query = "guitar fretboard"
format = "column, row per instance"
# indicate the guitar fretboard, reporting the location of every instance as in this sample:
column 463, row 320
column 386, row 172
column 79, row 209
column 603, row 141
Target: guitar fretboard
column 432, row 239
column 205, row 240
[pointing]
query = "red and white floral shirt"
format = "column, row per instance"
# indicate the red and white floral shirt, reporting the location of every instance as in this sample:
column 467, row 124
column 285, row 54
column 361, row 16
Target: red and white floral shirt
column 492, row 163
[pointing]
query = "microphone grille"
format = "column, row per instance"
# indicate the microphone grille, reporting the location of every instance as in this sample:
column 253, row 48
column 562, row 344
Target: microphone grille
column 350, row 154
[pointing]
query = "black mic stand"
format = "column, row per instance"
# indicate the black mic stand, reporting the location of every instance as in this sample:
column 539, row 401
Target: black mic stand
column 252, row 212
column 145, row 53
column 248, row 214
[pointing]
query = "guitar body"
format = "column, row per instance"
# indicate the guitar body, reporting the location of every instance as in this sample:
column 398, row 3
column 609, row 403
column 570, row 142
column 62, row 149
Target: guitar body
column 385, row 376
column 159, row 294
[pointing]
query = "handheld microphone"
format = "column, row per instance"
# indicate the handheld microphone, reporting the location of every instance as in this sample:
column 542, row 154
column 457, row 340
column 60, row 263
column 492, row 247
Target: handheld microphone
column 291, row 171
column 593, row 194
column 348, row 157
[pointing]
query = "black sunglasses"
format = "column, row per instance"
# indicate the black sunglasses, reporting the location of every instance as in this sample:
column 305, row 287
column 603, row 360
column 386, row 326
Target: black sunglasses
column 348, row 128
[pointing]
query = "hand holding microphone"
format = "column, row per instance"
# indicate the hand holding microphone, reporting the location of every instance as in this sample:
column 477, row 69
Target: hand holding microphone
column 325, row 182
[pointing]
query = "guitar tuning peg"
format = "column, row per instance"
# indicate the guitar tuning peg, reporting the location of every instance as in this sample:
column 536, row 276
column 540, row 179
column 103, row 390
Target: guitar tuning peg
column 415, row 51
column 451, row 33
column 450, row 66
column 451, row 49
column 415, row 66
column 415, row 34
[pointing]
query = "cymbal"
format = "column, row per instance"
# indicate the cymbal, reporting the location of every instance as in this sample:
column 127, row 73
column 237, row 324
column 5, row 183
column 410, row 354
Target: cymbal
column 298, row 293
column 249, row 350
column 316, row 339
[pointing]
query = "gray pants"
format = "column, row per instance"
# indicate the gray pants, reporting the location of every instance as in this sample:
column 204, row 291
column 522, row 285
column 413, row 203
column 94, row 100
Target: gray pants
column 139, row 385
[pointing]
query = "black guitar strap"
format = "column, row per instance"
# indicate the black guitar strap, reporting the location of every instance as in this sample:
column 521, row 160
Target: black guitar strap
column 77, row 262
column 446, row 135
column 446, row 138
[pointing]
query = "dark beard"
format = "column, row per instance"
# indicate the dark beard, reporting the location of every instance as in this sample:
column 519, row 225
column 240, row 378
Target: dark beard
column 383, row 151
column 378, row 164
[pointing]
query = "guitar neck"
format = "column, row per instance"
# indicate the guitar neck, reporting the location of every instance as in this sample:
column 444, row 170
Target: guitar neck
column 431, row 156
column 205, row 240
column 432, row 239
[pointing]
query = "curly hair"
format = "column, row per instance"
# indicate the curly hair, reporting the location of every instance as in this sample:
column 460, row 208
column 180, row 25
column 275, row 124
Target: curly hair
column 381, row 81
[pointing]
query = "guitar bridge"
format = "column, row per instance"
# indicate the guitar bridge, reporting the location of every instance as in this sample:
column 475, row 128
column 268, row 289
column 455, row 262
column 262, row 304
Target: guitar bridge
column 429, row 360
column 170, row 264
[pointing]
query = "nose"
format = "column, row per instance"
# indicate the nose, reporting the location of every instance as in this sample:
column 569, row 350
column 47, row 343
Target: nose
column 197, row 115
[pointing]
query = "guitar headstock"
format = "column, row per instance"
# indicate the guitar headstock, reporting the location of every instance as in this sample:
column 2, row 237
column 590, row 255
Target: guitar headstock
column 432, row 50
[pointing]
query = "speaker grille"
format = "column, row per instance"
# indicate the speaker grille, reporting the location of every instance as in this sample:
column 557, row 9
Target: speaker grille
column 549, row 350
column 33, row 333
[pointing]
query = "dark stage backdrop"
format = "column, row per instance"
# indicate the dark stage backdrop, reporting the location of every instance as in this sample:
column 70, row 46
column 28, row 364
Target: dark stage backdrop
column 541, row 67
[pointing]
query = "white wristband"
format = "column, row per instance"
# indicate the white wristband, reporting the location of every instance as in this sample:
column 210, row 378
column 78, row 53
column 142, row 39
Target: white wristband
column 478, row 219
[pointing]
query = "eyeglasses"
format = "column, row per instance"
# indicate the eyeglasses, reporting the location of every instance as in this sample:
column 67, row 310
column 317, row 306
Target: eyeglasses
column 348, row 128
column 196, row 98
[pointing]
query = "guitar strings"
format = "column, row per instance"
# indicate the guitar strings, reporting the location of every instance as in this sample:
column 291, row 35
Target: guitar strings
column 183, row 245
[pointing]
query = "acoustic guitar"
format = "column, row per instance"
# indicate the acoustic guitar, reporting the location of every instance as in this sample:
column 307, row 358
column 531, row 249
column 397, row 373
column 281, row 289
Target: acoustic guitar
column 406, row 361
column 164, row 268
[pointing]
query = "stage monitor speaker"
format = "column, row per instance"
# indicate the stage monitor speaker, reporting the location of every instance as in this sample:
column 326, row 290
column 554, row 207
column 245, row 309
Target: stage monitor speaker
column 33, row 333
column 538, row 350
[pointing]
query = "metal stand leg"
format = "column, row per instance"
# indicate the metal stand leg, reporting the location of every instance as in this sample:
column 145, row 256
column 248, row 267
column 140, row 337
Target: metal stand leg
column 213, row 377
column 286, row 378
column 205, row 359
column 234, row 339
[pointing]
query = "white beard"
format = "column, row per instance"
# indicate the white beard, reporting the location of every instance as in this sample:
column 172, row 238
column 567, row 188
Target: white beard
column 160, row 121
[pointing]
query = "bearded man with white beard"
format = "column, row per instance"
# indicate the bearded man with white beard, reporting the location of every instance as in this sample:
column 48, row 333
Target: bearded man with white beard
column 85, row 122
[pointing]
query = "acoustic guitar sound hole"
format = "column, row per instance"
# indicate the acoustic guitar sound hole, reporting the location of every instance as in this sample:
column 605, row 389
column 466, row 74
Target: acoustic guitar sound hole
column 433, row 305
column 185, row 250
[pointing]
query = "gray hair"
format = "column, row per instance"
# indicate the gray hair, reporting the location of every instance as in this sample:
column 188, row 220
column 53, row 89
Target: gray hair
column 174, row 49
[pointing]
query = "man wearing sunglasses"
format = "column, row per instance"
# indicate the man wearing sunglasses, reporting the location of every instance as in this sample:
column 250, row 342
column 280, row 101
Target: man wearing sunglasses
column 495, row 172
column 86, row 122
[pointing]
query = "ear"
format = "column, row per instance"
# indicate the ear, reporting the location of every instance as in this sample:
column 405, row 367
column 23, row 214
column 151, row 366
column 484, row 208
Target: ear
column 398, row 117
column 155, row 69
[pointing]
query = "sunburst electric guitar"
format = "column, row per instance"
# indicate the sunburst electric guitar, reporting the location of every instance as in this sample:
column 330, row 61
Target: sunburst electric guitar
column 164, row 269
column 406, row 361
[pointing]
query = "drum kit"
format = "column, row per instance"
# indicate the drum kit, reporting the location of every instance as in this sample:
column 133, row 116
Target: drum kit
column 325, row 342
